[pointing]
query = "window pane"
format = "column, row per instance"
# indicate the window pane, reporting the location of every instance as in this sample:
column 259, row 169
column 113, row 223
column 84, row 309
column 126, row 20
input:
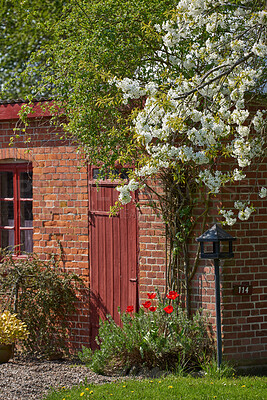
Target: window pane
column 121, row 173
column 7, row 239
column 26, row 185
column 124, row 173
column 6, row 213
column 96, row 174
column 26, row 241
column 6, row 184
column 26, row 213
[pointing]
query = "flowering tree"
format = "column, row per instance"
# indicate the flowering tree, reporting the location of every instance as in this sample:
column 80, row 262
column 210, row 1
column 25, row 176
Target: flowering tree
column 197, row 106
column 176, row 100
column 210, row 68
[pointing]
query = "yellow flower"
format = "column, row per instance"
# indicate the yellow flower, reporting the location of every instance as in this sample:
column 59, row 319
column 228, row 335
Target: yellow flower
column 91, row 392
column 170, row 387
column 82, row 394
column 243, row 386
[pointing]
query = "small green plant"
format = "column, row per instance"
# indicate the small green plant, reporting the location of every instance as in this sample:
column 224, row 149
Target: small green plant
column 212, row 371
column 43, row 296
column 156, row 336
column 11, row 328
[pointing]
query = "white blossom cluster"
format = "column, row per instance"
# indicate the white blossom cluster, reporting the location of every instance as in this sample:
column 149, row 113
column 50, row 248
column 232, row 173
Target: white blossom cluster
column 244, row 211
column 195, row 111
column 263, row 192
column 124, row 196
column 212, row 180
column 228, row 216
column 131, row 89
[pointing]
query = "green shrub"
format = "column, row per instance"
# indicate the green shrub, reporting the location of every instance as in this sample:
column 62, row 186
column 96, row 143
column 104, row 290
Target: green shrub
column 151, row 338
column 41, row 295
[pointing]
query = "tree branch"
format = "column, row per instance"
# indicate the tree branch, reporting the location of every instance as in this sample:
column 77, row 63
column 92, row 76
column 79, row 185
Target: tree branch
column 240, row 61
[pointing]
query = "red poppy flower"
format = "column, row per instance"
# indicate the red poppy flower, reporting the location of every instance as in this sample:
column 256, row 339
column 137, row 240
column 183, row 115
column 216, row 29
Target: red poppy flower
column 168, row 309
column 147, row 304
column 172, row 295
column 129, row 309
column 153, row 309
column 151, row 295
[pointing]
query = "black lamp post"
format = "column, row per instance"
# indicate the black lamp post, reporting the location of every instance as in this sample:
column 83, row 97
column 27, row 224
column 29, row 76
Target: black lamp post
column 213, row 239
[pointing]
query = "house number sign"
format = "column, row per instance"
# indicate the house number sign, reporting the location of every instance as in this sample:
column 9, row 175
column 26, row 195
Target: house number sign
column 242, row 289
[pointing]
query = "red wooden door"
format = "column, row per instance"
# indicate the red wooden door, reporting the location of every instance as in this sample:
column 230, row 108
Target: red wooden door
column 112, row 255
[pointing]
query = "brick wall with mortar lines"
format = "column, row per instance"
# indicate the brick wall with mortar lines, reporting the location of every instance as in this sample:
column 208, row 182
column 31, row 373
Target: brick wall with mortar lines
column 244, row 316
column 60, row 203
column 61, row 213
column 202, row 286
column 60, row 209
column 152, row 243
column 152, row 254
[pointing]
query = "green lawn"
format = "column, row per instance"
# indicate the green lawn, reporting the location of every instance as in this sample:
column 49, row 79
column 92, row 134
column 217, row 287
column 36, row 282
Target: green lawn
column 170, row 388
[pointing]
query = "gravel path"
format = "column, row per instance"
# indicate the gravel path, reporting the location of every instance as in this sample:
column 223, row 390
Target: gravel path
column 32, row 379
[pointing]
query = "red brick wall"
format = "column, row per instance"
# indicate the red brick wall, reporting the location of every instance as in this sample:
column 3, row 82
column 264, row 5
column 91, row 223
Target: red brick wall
column 61, row 214
column 244, row 316
column 152, row 243
column 60, row 201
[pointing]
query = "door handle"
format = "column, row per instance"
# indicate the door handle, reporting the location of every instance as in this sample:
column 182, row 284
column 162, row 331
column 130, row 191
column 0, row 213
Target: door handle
column 133, row 279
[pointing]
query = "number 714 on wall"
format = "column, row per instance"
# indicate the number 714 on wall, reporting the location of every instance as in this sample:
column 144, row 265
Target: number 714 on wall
column 242, row 289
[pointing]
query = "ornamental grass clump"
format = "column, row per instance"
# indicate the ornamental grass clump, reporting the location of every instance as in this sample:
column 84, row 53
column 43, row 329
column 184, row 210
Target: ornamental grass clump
column 12, row 329
column 158, row 335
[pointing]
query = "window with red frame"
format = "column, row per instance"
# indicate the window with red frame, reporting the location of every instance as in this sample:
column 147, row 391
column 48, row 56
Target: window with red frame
column 16, row 219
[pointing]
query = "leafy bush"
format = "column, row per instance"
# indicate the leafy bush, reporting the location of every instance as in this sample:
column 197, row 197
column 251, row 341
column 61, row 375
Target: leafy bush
column 43, row 296
column 161, row 336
